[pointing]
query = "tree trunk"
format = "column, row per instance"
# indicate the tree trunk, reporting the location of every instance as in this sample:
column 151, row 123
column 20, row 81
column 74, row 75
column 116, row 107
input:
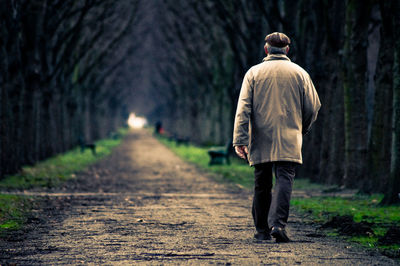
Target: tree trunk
column 336, row 158
column 393, row 190
column 380, row 141
column 37, row 115
column 355, row 83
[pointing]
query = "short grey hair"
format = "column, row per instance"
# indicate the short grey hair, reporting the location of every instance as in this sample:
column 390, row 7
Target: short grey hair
column 276, row 50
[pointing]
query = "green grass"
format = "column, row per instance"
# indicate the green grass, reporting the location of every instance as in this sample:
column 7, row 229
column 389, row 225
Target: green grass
column 55, row 170
column 13, row 211
column 318, row 209
column 51, row 172
column 362, row 208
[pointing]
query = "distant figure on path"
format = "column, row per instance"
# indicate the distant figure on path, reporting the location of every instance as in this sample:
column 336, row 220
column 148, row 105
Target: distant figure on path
column 158, row 128
column 279, row 102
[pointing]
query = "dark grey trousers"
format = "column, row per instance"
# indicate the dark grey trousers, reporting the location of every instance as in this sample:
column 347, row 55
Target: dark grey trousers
column 272, row 210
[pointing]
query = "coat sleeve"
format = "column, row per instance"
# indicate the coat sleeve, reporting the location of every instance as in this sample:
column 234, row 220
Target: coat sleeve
column 243, row 112
column 311, row 105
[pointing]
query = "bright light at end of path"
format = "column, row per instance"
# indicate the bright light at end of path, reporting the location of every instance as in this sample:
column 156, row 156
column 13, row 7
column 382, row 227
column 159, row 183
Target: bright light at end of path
column 136, row 121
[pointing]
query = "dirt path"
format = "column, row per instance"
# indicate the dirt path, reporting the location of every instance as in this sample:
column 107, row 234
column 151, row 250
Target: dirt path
column 143, row 205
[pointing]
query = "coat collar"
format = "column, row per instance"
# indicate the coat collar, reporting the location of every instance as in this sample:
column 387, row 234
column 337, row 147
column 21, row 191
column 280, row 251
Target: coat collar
column 271, row 57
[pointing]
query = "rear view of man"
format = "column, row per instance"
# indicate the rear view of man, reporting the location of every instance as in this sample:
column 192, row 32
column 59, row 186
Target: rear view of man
column 277, row 106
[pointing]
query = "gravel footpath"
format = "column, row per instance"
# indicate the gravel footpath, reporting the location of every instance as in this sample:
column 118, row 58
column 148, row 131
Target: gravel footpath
column 144, row 205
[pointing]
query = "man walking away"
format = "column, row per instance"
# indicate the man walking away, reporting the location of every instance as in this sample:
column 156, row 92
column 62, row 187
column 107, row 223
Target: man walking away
column 277, row 106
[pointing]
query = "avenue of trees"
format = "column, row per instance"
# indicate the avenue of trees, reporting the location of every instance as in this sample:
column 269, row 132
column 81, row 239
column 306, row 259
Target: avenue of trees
column 67, row 69
column 350, row 48
column 60, row 82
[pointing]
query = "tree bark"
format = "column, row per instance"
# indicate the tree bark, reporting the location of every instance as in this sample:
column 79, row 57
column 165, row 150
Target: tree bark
column 380, row 142
column 355, row 83
column 392, row 194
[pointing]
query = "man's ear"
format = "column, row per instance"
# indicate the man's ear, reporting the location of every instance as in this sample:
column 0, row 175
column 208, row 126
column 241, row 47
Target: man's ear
column 266, row 49
column 287, row 49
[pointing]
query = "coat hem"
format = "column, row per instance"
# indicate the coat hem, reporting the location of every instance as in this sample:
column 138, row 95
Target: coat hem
column 239, row 144
column 252, row 163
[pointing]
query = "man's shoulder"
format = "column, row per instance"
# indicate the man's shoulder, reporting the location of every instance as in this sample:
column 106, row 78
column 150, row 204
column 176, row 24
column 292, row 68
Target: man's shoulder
column 298, row 68
column 255, row 69
column 278, row 65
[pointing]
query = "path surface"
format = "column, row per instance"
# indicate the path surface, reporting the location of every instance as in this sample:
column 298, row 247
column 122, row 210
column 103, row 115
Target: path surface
column 143, row 205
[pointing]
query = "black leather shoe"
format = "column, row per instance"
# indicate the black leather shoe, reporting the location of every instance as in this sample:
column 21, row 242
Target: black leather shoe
column 262, row 236
column 280, row 235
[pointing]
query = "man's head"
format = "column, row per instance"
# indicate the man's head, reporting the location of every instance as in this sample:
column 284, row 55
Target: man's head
column 276, row 43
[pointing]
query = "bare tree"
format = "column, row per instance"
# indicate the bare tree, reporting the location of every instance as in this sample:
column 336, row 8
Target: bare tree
column 54, row 54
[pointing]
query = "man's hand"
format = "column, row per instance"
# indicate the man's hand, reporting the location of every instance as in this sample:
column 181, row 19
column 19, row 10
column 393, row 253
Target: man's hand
column 241, row 151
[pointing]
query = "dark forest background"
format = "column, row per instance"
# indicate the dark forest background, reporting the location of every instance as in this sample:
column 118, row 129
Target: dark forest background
column 75, row 69
column 65, row 67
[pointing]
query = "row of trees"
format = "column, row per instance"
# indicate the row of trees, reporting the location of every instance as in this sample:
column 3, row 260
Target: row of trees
column 60, row 75
column 349, row 47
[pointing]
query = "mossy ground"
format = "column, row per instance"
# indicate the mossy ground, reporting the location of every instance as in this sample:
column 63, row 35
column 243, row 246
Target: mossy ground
column 363, row 208
column 52, row 172
column 13, row 211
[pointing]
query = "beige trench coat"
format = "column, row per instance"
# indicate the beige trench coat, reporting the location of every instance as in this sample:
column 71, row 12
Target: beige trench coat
column 277, row 105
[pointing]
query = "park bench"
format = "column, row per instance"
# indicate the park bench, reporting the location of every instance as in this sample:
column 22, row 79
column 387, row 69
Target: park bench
column 85, row 145
column 179, row 140
column 220, row 154
column 115, row 135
